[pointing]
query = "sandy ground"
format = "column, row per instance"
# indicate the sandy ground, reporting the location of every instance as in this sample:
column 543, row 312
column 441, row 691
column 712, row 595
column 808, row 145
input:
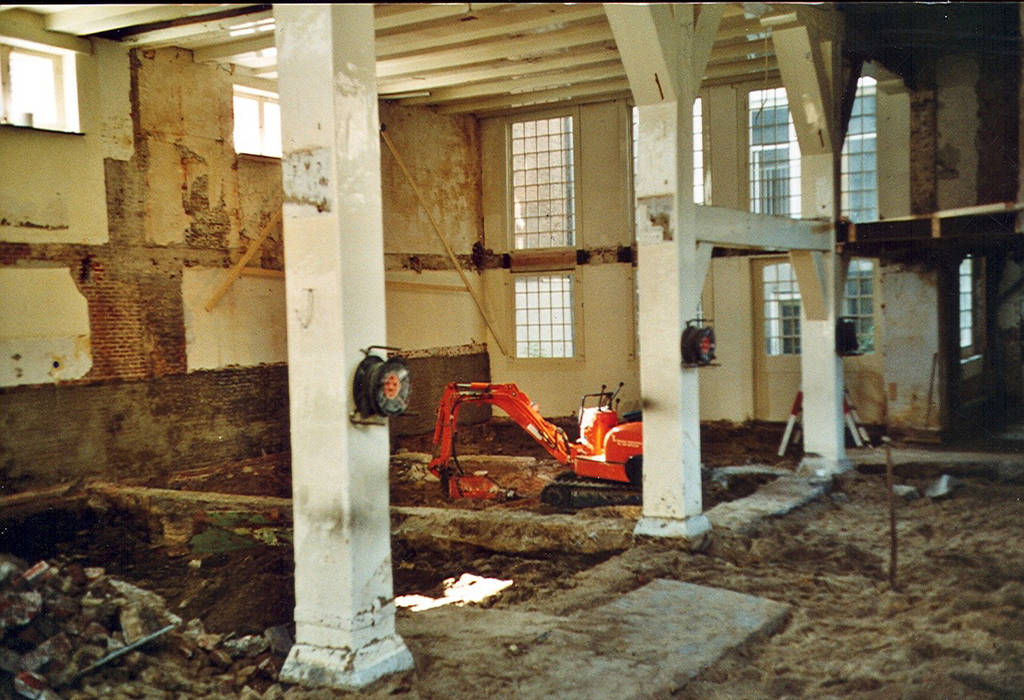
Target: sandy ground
column 952, row 627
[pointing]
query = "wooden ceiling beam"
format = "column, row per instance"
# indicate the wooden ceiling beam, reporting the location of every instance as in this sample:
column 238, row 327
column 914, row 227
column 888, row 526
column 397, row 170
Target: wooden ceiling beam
column 199, row 33
column 601, row 52
column 395, row 15
column 607, row 71
column 541, row 98
column 501, row 22
column 534, row 44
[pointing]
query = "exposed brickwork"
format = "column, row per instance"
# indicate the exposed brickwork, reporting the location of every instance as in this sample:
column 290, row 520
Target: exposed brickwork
column 138, row 429
column 923, row 151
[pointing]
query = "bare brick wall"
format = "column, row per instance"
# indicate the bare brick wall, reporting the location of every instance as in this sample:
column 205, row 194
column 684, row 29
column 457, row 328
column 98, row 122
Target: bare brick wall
column 140, row 429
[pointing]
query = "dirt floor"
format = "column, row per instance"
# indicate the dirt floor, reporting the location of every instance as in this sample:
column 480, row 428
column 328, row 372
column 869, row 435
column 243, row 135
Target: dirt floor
column 953, row 626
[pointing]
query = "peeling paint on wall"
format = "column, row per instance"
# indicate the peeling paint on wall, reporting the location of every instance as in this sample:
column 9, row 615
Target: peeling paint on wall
column 307, row 178
column 44, row 327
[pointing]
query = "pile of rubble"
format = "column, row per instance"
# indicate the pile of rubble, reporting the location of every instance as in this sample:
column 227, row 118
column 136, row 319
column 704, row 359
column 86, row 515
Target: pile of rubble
column 68, row 631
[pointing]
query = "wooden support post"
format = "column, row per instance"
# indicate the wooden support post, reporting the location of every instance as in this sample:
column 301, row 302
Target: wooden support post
column 444, row 241
column 237, row 270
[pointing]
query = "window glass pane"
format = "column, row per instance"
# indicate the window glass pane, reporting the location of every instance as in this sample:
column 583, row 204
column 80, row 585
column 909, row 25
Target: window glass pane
column 859, row 303
column 774, row 155
column 247, row 124
column 543, row 216
column 781, row 309
column 544, row 316
column 859, row 186
column 272, row 129
column 34, row 87
column 966, row 283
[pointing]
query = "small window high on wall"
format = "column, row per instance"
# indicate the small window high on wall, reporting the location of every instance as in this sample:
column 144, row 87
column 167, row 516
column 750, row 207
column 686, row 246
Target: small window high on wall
column 774, row 155
column 257, row 122
column 38, row 88
column 544, row 316
column 860, row 157
column 543, row 183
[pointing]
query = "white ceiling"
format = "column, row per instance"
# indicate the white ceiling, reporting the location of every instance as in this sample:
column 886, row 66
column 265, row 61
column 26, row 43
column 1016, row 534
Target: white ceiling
column 458, row 58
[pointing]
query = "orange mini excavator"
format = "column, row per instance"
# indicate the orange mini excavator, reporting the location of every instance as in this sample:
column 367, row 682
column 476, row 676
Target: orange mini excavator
column 605, row 462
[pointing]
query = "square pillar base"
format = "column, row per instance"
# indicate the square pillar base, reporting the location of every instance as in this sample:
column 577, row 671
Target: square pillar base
column 818, row 467
column 345, row 669
column 691, row 528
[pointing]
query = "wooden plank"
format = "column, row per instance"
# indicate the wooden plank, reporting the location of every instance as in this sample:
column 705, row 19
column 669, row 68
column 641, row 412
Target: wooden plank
column 521, row 260
column 236, row 271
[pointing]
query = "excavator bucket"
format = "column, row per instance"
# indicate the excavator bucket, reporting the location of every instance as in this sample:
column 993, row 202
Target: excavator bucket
column 477, row 486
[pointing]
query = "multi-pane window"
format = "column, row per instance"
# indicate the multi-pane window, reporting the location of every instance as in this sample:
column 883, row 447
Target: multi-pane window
column 542, row 183
column 860, row 157
column 38, row 88
column 966, row 294
column 699, row 193
column 781, row 310
column 257, row 122
column 859, row 303
column 544, row 316
column 774, row 155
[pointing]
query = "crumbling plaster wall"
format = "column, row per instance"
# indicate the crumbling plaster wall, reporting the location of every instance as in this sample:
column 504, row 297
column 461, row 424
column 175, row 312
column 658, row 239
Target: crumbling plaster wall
column 169, row 206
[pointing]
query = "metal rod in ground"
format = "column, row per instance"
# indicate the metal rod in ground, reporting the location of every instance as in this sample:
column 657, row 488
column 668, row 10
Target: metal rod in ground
column 892, row 517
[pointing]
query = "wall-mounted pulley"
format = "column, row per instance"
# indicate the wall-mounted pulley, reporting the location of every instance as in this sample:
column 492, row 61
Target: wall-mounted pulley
column 381, row 386
column 846, row 337
column 698, row 343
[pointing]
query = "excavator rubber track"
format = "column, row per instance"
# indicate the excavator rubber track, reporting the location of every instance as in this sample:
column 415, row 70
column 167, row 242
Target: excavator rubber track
column 571, row 492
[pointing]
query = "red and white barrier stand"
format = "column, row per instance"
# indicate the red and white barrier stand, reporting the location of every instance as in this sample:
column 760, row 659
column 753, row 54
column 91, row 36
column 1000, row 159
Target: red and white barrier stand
column 853, row 424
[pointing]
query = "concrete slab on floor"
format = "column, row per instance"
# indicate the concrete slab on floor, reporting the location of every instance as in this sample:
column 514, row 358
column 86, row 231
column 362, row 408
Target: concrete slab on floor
column 1005, row 466
column 644, row 644
column 774, row 499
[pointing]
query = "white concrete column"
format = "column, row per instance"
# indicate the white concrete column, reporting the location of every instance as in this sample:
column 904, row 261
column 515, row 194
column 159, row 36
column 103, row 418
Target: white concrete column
column 670, row 275
column 809, row 64
column 664, row 49
column 333, row 241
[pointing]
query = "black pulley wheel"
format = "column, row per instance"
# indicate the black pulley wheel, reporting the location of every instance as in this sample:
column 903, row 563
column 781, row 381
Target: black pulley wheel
column 686, row 345
column 704, row 346
column 381, row 387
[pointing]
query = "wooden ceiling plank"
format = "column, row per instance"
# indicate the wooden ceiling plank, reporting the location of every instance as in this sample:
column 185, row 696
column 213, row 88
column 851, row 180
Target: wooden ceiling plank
column 539, row 98
column 224, row 52
column 498, row 70
column 491, row 51
column 393, row 15
column 194, row 34
column 607, row 71
column 486, row 26
column 84, row 20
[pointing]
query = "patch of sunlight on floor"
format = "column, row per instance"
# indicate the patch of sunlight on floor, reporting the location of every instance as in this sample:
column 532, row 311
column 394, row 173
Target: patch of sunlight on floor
column 468, row 588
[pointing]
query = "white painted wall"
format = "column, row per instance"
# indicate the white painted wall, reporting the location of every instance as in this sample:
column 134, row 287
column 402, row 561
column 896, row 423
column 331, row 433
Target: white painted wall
column 42, row 198
column 422, row 316
column 892, row 101
column 247, row 327
column 44, row 327
column 910, row 317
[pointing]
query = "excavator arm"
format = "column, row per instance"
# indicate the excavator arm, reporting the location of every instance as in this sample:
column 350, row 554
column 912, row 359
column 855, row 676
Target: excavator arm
column 510, row 399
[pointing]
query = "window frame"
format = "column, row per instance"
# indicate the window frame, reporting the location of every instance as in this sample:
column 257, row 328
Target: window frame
column 576, row 233
column 576, row 323
column 860, row 319
column 262, row 98
column 866, row 86
column 65, row 87
column 968, row 349
column 776, row 322
column 792, row 145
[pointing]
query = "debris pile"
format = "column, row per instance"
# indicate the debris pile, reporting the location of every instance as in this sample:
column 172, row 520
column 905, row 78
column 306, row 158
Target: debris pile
column 70, row 631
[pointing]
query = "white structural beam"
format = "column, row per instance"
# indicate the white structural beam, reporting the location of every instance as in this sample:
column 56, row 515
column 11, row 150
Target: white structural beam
column 807, row 54
column 239, row 47
column 732, row 228
column 333, row 241
column 21, row 27
column 664, row 50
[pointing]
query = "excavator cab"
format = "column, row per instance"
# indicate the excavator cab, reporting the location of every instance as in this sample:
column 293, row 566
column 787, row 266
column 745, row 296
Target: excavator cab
column 605, row 461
